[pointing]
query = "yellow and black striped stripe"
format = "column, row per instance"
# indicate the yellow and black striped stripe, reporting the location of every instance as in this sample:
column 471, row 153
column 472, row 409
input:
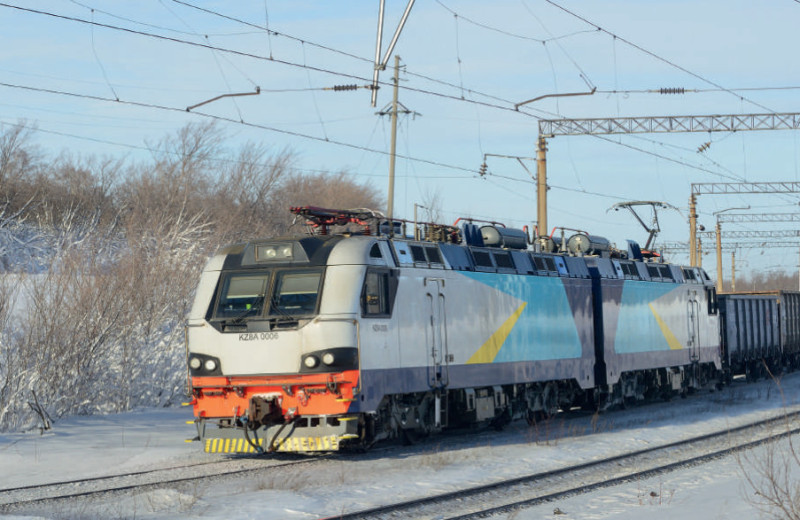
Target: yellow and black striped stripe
column 292, row 444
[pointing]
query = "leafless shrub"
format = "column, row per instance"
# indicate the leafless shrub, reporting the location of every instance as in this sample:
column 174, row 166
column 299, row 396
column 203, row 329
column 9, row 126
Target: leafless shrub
column 764, row 281
column 19, row 159
column 110, row 254
column 247, row 200
column 770, row 473
column 336, row 190
column 12, row 371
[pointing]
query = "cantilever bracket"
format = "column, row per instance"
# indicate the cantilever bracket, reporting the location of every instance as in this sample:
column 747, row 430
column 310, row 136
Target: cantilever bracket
column 257, row 92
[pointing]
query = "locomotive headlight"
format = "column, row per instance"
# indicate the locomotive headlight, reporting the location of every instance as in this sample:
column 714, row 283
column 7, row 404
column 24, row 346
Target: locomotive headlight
column 202, row 365
column 331, row 359
column 274, row 252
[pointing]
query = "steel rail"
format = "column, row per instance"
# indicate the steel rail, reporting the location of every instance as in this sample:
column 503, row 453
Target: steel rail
column 54, row 491
column 457, row 500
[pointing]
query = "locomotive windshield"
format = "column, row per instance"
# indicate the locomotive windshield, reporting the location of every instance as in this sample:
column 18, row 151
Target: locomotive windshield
column 291, row 293
column 296, row 293
column 242, row 295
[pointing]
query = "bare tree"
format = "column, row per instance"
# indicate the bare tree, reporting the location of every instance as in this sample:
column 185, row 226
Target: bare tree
column 116, row 250
column 432, row 203
column 19, row 160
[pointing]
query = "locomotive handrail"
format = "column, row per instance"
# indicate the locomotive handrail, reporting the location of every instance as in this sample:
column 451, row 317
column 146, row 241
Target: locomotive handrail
column 472, row 220
column 357, row 388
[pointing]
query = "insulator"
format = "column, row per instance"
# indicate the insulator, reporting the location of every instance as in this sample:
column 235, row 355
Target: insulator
column 345, row 87
column 482, row 171
column 703, row 147
column 673, row 90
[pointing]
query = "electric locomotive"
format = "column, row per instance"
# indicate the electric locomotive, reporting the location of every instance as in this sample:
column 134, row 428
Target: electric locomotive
column 324, row 341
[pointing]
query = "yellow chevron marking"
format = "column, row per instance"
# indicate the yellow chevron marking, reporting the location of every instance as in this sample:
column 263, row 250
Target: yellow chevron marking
column 672, row 341
column 489, row 350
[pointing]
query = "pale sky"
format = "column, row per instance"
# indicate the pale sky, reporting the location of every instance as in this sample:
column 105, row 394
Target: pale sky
column 466, row 64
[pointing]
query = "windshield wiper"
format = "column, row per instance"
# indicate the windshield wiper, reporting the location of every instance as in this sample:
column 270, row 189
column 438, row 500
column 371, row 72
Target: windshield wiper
column 239, row 318
column 283, row 314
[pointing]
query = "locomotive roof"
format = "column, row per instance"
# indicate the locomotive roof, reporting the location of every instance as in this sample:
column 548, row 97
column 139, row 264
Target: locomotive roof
column 320, row 250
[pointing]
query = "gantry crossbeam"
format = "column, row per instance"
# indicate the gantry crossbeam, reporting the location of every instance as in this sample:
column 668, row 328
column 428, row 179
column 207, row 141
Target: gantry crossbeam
column 723, row 188
column 780, row 233
column 758, row 217
column 668, row 124
column 683, row 247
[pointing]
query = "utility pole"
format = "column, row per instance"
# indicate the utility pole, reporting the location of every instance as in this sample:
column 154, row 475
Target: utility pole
column 541, row 187
column 692, row 230
column 396, row 108
column 733, row 270
column 699, row 252
column 393, row 156
column 719, row 257
column 718, row 231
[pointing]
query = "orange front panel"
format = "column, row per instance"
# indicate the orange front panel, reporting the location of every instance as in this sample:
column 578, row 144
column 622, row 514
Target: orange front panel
column 313, row 394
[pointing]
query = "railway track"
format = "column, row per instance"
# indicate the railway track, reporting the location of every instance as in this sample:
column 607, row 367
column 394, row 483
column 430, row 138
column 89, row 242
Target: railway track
column 12, row 499
column 477, row 502
column 508, row 495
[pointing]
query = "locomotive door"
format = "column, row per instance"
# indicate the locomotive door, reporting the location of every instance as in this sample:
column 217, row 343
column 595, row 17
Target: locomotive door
column 693, row 323
column 436, row 335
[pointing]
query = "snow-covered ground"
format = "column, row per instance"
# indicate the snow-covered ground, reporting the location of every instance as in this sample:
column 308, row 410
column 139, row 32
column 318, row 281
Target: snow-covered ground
column 100, row 445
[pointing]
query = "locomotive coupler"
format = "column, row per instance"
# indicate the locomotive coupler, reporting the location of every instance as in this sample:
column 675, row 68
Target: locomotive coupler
column 265, row 410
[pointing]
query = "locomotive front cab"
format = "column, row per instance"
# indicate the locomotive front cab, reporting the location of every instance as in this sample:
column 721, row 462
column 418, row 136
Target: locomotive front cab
column 274, row 346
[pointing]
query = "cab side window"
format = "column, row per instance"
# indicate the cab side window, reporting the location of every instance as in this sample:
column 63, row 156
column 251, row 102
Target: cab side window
column 377, row 296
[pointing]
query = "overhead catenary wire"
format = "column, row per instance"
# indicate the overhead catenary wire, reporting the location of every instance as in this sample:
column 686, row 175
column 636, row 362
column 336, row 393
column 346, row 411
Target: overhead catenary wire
column 659, row 58
column 250, row 55
column 461, row 88
column 682, row 90
column 509, row 33
column 216, row 160
column 307, row 67
column 472, row 172
column 231, row 120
